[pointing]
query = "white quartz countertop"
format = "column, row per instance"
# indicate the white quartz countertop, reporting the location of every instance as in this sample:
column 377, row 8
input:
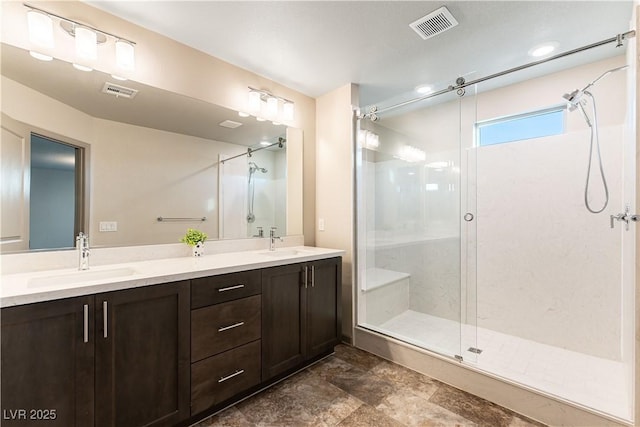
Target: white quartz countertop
column 27, row 288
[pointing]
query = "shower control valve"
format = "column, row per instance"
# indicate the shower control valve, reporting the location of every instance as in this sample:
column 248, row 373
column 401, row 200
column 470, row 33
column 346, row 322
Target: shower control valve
column 625, row 217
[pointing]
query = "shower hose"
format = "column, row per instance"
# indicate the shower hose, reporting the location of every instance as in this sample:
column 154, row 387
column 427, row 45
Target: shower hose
column 595, row 140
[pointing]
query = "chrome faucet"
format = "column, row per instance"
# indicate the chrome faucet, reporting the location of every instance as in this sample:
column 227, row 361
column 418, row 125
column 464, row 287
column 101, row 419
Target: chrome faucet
column 82, row 243
column 272, row 239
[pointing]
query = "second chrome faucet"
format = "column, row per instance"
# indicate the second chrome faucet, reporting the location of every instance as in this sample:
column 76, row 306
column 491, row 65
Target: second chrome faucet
column 82, row 243
column 272, row 239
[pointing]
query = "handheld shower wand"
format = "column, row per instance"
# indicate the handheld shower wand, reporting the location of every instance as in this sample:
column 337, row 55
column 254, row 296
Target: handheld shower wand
column 575, row 100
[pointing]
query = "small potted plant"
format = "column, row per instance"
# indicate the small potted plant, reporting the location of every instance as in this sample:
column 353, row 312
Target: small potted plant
column 195, row 239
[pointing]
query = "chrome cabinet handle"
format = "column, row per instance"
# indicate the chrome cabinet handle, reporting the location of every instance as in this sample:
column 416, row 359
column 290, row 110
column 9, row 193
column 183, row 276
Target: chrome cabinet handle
column 86, row 323
column 313, row 276
column 306, row 276
column 105, row 319
column 230, row 288
column 226, row 328
column 228, row 377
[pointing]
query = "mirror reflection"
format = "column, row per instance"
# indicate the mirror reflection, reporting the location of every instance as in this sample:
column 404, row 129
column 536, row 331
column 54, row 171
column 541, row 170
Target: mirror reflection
column 147, row 153
column 253, row 192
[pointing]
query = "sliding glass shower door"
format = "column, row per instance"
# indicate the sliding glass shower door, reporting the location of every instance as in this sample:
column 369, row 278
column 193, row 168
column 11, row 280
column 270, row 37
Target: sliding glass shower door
column 412, row 198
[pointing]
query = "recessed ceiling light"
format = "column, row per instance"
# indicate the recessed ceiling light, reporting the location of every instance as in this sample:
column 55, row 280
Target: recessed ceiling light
column 243, row 114
column 424, row 89
column 543, row 49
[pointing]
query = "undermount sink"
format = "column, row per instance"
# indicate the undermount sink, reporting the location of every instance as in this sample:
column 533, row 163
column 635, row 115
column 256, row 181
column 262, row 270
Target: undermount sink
column 286, row 252
column 81, row 276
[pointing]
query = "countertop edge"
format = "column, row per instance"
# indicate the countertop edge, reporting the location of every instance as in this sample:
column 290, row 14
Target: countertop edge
column 189, row 268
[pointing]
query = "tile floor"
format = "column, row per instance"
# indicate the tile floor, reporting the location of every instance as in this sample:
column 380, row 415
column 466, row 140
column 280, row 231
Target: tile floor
column 594, row 382
column 355, row 388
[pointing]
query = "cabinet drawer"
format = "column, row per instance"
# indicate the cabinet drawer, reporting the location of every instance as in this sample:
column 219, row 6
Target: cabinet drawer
column 217, row 378
column 221, row 327
column 227, row 287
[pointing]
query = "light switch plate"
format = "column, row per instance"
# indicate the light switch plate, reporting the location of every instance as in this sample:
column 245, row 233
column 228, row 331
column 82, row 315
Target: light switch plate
column 108, row 226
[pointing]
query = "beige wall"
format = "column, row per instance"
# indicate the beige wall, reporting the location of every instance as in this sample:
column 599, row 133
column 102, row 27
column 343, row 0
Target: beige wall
column 169, row 65
column 335, row 185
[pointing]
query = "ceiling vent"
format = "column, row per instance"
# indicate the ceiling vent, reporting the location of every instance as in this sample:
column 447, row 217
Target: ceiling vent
column 229, row 124
column 436, row 22
column 119, row 91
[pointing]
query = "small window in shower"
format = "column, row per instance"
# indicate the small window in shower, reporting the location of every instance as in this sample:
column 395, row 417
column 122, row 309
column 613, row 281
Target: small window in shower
column 536, row 124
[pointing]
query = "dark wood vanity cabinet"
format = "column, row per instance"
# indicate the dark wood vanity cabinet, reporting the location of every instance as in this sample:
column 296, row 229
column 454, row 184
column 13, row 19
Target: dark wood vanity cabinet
column 113, row 359
column 142, row 356
column 301, row 314
column 166, row 354
column 323, row 310
column 47, row 367
column 226, row 333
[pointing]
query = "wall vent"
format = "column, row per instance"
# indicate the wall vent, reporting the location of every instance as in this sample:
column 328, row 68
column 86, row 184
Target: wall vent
column 119, row 91
column 436, row 22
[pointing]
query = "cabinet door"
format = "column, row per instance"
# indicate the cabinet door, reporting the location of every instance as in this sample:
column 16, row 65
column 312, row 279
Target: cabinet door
column 323, row 306
column 282, row 300
column 47, row 367
column 142, row 356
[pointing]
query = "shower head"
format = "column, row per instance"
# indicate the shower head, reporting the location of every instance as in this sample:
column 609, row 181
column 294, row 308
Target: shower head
column 253, row 167
column 575, row 97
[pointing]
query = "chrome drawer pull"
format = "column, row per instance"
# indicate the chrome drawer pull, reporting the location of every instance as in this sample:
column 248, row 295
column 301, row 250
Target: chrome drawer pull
column 313, row 276
column 226, row 328
column 105, row 317
column 86, row 323
column 230, row 288
column 228, row 377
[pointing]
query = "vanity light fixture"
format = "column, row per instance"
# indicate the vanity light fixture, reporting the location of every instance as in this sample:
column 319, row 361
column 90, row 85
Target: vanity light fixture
column 125, row 55
column 86, row 43
column 254, row 101
column 40, row 33
column 368, row 139
column 87, row 39
column 86, row 47
column 271, row 108
column 287, row 111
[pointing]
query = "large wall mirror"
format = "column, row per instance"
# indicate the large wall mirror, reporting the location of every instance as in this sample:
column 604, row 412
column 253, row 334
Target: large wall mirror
column 142, row 154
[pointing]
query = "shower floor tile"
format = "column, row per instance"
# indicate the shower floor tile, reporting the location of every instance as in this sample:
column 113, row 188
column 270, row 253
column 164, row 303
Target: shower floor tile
column 353, row 388
column 593, row 382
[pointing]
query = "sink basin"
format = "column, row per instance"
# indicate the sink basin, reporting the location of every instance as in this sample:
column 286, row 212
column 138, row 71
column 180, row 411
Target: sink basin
column 286, row 252
column 80, row 277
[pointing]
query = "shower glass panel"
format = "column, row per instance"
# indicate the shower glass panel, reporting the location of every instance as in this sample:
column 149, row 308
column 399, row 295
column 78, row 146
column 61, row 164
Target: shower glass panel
column 553, row 299
column 411, row 284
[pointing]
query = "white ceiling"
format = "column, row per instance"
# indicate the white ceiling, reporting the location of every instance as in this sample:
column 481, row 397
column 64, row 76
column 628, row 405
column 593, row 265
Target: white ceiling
column 317, row 46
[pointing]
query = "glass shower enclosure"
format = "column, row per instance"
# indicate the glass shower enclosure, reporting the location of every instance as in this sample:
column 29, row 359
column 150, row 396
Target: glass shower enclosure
column 482, row 250
column 411, row 196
